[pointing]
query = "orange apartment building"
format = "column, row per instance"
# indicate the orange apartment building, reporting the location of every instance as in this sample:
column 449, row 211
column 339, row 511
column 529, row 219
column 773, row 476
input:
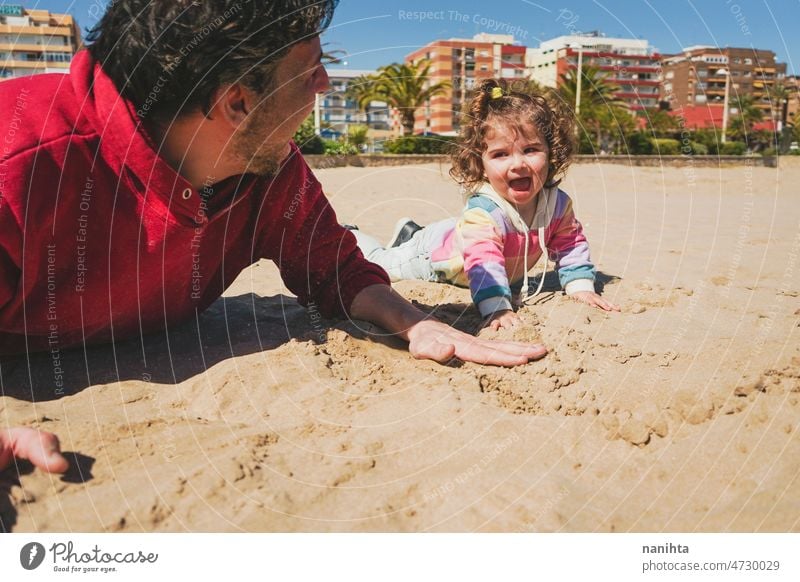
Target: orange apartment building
column 463, row 63
column 35, row 41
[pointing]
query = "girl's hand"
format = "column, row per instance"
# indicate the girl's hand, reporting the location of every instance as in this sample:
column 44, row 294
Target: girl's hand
column 593, row 299
column 498, row 319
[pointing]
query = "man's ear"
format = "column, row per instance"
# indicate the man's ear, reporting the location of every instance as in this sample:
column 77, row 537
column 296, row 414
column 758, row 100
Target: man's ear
column 231, row 103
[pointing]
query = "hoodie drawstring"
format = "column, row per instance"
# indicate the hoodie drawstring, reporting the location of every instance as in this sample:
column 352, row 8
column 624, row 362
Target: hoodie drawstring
column 524, row 297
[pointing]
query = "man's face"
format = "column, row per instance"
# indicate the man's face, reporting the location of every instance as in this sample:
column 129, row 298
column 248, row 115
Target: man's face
column 262, row 141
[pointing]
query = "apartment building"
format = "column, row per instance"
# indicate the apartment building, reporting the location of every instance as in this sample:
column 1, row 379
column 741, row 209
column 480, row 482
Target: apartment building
column 338, row 112
column 698, row 76
column 792, row 83
column 35, row 41
column 463, row 63
column 629, row 63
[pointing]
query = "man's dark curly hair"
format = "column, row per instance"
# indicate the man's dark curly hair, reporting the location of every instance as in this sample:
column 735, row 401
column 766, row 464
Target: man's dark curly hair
column 496, row 100
column 169, row 56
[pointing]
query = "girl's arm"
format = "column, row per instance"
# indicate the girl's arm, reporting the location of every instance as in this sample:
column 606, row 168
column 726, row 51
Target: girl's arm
column 482, row 241
column 569, row 248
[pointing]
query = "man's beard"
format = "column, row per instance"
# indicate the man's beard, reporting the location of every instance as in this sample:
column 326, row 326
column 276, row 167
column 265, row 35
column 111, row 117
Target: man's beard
column 253, row 145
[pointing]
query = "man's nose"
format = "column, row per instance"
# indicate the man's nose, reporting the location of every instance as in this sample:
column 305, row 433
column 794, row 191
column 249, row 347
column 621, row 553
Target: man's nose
column 323, row 84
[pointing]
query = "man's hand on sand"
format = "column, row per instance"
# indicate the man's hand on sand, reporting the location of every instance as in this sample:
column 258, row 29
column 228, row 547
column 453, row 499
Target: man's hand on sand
column 437, row 341
column 429, row 339
column 39, row 447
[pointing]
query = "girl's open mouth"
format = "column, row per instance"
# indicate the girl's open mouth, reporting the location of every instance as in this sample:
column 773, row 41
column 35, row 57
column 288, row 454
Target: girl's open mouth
column 520, row 184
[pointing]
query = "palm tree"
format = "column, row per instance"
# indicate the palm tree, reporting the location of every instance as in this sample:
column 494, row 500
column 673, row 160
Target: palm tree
column 596, row 89
column 600, row 108
column 748, row 115
column 778, row 95
column 529, row 85
column 362, row 91
column 796, row 127
column 405, row 87
column 660, row 123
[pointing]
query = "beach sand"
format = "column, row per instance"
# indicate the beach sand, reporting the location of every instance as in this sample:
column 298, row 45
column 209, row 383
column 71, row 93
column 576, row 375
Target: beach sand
column 682, row 413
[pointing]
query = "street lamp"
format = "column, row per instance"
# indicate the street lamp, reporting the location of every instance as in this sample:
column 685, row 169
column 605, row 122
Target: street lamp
column 727, row 74
column 580, row 80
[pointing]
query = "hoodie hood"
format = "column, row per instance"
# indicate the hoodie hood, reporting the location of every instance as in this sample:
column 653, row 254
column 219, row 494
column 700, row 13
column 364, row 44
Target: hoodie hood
column 544, row 211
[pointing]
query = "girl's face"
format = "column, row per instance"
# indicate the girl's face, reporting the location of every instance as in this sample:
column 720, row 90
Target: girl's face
column 515, row 162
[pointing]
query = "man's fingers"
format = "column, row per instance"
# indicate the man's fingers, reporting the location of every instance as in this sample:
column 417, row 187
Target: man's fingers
column 40, row 448
column 440, row 343
column 500, row 353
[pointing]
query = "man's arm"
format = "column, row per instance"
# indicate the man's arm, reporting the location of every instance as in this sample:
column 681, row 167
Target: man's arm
column 431, row 339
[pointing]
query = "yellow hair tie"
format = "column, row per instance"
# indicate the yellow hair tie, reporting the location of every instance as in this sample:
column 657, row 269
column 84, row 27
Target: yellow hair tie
column 497, row 92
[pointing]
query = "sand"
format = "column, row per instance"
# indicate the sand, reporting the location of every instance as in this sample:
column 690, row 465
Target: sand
column 679, row 414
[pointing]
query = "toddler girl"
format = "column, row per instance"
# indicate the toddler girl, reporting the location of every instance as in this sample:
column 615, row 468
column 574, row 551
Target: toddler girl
column 513, row 151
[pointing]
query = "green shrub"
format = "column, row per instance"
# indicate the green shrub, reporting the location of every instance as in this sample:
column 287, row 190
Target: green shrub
column 357, row 135
column 666, row 147
column 419, row 144
column 639, row 144
column 695, row 149
column 338, row 148
column 308, row 141
column 732, row 148
column 770, row 152
column 709, row 138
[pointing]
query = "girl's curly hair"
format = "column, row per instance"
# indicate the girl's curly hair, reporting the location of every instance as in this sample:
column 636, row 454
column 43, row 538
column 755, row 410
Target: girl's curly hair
column 496, row 100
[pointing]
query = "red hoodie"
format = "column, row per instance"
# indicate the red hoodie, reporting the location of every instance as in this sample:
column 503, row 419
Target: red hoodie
column 101, row 239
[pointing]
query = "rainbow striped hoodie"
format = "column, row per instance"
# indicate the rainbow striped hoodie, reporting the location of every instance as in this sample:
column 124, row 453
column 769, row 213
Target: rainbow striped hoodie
column 490, row 248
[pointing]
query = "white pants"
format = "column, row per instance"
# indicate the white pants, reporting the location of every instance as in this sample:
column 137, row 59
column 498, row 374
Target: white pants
column 412, row 259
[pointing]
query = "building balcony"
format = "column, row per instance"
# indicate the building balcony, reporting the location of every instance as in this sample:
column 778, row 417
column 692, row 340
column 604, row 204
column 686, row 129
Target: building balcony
column 636, row 82
column 17, row 64
column 5, row 46
column 39, row 30
column 631, row 96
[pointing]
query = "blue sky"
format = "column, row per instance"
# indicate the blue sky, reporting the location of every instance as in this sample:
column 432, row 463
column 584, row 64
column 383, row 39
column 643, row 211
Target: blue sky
column 377, row 33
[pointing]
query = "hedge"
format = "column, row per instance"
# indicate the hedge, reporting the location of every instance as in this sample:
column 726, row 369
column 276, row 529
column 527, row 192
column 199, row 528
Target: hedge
column 419, row 144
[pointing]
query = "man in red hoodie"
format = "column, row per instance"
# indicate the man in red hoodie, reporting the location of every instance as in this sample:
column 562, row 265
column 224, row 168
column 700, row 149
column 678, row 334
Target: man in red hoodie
column 135, row 189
